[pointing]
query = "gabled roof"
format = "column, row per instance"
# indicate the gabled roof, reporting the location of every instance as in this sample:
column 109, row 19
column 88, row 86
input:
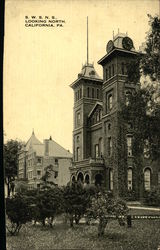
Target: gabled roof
column 96, row 104
column 32, row 141
column 39, row 149
column 55, row 150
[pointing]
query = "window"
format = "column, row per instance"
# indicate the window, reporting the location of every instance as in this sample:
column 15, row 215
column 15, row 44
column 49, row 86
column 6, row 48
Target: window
column 56, row 161
column 106, row 74
column 97, row 116
column 128, row 93
column 109, row 71
column 39, row 160
column 122, row 68
column 129, row 176
column 109, row 127
column 38, row 185
column 110, row 102
column 96, row 151
column 80, row 93
column 159, row 178
column 92, row 92
column 129, row 145
column 109, row 146
column 112, row 69
column 78, row 118
column 147, row 179
column 78, row 138
column 38, row 172
column 100, row 114
column 111, row 180
column 77, row 153
column 146, row 149
column 55, row 174
column 88, row 92
column 30, row 175
column 97, row 93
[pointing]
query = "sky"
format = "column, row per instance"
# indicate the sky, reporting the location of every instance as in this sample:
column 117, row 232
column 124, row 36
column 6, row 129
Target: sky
column 41, row 62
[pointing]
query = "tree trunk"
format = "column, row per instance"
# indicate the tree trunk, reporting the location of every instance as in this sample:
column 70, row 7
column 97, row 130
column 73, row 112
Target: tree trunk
column 71, row 220
column 102, row 226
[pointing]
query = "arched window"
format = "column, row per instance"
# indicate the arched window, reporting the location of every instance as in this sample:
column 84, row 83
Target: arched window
column 158, row 177
column 92, row 92
column 78, row 138
column 77, row 153
column 88, row 92
column 147, row 179
column 96, row 150
column 111, row 179
column 129, row 145
column 109, row 71
column 109, row 126
column 80, row 93
column 128, row 93
column 110, row 102
column 112, row 69
column 122, row 68
column 97, row 93
column 106, row 74
column 129, row 177
column 109, row 146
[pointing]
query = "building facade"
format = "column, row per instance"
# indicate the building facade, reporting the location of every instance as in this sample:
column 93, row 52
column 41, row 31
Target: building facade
column 35, row 157
column 102, row 143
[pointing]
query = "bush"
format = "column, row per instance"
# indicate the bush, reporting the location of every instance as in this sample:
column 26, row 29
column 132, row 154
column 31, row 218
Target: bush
column 152, row 197
column 103, row 207
column 18, row 212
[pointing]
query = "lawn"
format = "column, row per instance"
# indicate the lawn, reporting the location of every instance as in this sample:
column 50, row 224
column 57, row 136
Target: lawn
column 145, row 234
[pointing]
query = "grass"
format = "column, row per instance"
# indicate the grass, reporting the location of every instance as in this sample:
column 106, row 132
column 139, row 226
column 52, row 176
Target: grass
column 143, row 235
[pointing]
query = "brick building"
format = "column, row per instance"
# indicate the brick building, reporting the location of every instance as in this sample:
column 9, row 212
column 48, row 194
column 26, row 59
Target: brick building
column 36, row 156
column 102, row 145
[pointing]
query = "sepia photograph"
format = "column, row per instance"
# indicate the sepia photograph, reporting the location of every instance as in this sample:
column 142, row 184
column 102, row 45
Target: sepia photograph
column 81, row 124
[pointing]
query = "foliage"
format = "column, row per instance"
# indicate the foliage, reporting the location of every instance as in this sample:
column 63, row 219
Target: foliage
column 151, row 60
column 76, row 200
column 152, row 197
column 145, row 124
column 48, row 204
column 18, row 212
column 103, row 207
column 10, row 156
column 46, row 182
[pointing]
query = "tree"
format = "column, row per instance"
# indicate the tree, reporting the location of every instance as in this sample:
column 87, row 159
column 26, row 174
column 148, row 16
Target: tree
column 104, row 207
column 46, row 182
column 18, row 212
column 10, row 153
column 48, row 204
column 76, row 200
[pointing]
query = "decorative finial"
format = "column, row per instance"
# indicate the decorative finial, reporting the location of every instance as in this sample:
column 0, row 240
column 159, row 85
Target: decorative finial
column 50, row 138
column 87, row 42
column 118, row 30
column 113, row 34
column 33, row 131
column 127, row 33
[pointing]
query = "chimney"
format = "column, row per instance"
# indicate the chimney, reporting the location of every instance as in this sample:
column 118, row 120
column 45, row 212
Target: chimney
column 46, row 147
